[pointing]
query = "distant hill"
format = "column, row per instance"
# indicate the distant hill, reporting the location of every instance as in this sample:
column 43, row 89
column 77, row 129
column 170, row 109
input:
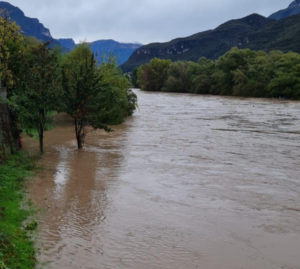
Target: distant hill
column 122, row 51
column 254, row 31
column 281, row 35
column 67, row 43
column 210, row 44
column 292, row 9
column 32, row 27
column 29, row 26
column 104, row 48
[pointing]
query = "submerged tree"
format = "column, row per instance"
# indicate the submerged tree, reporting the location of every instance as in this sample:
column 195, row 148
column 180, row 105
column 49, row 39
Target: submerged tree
column 38, row 90
column 91, row 95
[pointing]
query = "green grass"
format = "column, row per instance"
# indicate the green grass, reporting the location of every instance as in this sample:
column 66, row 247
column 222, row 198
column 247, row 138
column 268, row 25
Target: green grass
column 16, row 246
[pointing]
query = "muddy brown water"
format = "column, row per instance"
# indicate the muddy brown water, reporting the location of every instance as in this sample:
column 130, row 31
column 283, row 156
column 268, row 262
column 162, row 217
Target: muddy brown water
column 187, row 182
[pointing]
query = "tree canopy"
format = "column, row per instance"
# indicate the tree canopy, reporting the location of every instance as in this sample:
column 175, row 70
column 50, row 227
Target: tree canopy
column 95, row 96
column 239, row 72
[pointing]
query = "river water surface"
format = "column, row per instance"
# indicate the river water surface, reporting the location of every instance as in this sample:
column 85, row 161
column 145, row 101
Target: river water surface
column 188, row 182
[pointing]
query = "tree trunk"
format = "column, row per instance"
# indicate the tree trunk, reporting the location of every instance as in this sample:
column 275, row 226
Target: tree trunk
column 41, row 130
column 41, row 138
column 78, row 130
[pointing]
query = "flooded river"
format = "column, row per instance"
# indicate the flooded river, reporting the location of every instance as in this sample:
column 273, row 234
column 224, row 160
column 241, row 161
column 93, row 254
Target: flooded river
column 188, row 182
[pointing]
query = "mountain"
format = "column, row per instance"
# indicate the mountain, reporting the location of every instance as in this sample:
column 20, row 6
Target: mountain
column 210, row 44
column 29, row 26
column 104, row 48
column 255, row 32
column 67, row 43
column 32, row 27
column 281, row 35
column 292, row 9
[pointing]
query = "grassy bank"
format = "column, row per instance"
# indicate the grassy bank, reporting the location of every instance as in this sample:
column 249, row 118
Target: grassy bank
column 16, row 247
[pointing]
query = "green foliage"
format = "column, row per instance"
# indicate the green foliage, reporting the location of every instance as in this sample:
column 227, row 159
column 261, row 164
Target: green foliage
column 152, row 76
column 178, row 78
column 39, row 89
column 16, row 247
column 201, row 78
column 11, row 43
column 114, row 101
column 96, row 96
column 239, row 72
column 134, row 78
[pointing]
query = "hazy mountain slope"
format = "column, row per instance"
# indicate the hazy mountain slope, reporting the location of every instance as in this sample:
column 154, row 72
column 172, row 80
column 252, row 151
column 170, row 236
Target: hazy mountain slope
column 104, row 48
column 277, row 35
column 211, row 44
column 254, row 32
column 28, row 26
column 67, row 43
column 32, row 27
column 292, row 9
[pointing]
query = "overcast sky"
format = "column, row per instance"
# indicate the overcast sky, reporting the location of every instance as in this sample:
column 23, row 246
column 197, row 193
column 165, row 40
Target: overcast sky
column 143, row 21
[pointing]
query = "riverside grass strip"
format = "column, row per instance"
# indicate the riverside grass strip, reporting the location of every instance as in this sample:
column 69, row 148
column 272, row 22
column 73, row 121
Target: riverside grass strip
column 16, row 246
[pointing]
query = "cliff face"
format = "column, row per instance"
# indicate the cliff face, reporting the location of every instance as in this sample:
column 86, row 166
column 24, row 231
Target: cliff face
column 28, row 26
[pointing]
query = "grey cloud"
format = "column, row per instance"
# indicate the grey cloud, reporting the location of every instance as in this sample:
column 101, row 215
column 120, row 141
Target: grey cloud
column 139, row 20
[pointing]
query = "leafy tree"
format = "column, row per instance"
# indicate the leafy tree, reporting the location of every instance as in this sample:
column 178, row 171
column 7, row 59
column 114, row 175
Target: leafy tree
column 38, row 89
column 286, row 78
column 179, row 79
column 94, row 96
column 11, row 47
column 114, row 101
column 201, row 75
column 134, row 78
column 152, row 76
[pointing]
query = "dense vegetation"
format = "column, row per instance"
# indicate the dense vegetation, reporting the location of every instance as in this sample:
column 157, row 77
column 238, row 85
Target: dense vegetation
column 254, row 32
column 39, row 80
column 239, row 72
column 16, row 247
column 92, row 95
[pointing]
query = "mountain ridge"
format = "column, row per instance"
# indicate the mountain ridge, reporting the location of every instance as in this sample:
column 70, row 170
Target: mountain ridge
column 291, row 10
column 253, row 31
column 210, row 43
column 33, row 27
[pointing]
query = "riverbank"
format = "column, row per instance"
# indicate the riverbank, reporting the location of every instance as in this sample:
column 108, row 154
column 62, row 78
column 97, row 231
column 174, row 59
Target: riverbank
column 16, row 245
